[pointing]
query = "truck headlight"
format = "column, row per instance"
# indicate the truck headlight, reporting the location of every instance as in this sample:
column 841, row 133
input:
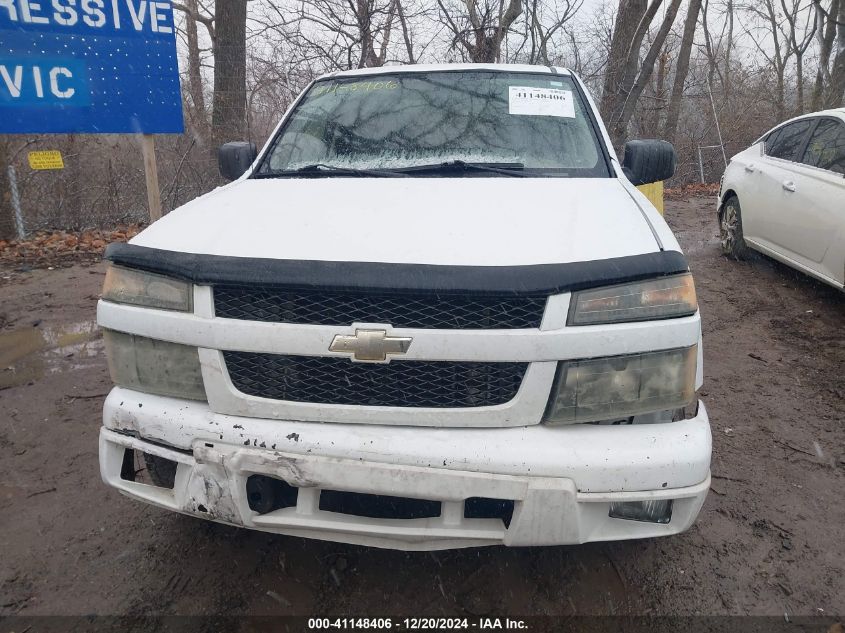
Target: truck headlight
column 136, row 287
column 153, row 366
column 660, row 298
column 622, row 386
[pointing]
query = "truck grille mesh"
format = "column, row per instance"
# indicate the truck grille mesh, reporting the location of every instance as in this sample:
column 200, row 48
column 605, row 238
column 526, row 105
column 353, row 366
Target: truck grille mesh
column 329, row 380
column 430, row 311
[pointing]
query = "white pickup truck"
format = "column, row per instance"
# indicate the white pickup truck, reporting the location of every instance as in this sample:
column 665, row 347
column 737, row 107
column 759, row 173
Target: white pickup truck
column 433, row 312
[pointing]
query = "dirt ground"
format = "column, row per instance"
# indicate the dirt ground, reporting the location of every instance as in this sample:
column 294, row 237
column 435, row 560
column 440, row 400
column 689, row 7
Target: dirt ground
column 770, row 539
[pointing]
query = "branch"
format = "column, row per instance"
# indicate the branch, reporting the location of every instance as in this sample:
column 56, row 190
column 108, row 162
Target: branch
column 206, row 20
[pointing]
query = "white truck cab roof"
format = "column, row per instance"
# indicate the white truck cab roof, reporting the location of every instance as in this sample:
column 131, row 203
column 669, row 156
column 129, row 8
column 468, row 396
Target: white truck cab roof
column 425, row 68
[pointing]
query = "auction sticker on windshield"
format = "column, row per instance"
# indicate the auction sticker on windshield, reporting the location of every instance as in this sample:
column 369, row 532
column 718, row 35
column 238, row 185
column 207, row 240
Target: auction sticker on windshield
column 540, row 102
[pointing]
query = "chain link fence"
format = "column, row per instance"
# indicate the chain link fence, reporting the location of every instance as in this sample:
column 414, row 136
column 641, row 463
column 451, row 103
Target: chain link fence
column 102, row 183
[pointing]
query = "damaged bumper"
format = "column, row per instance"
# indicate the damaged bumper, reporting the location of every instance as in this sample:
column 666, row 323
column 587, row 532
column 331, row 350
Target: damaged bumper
column 549, row 486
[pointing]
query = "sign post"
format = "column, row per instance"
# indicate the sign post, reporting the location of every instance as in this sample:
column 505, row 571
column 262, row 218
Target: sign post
column 16, row 202
column 151, row 174
column 91, row 67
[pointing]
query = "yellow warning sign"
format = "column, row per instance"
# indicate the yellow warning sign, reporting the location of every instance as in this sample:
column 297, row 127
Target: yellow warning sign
column 48, row 159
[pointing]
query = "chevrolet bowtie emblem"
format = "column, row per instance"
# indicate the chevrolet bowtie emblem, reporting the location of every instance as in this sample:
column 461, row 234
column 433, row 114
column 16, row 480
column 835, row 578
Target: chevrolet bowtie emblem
column 371, row 346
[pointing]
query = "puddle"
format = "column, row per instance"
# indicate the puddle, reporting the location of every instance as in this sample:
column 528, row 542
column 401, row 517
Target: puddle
column 31, row 353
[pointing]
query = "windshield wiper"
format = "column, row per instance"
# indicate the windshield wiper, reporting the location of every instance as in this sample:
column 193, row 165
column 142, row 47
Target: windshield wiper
column 507, row 169
column 322, row 168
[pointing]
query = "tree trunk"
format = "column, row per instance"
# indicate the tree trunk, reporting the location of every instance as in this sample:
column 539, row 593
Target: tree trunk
column 362, row 16
column 627, row 20
column 799, row 71
column 198, row 115
column 826, row 38
column 406, row 36
column 649, row 121
column 726, row 81
column 681, row 71
column 619, row 126
column 836, row 94
column 74, row 211
column 228, row 122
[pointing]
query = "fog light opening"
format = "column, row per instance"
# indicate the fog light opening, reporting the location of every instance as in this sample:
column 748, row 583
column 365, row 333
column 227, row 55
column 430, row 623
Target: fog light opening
column 484, row 508
column 266, row 494
column 645, row 511
column 127, row 465
column 161, row 471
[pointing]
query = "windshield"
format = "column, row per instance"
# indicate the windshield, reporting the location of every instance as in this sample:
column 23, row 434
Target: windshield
column 534, row 123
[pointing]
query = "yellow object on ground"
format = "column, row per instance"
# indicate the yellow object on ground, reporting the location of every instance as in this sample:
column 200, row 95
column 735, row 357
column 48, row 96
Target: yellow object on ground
column 48, row 159
column 654, row 192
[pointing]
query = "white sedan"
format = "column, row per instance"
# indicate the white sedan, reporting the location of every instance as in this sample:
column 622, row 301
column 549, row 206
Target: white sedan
column 785, row 197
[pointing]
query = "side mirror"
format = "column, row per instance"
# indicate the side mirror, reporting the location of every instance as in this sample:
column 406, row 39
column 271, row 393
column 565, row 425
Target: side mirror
column 648, row 161
column 234, row 159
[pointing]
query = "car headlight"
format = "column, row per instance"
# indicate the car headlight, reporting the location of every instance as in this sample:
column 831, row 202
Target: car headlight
column 660, row 298
column 622, row 386
column 153, row 366
column 140, row 288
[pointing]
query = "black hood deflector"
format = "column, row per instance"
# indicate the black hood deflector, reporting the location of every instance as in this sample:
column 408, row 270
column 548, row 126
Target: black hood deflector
column 381, row 277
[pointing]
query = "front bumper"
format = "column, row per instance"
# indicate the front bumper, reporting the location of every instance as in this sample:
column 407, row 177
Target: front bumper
column 561, row 480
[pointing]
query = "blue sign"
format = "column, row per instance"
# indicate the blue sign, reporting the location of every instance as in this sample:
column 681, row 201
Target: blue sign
column 101, row 66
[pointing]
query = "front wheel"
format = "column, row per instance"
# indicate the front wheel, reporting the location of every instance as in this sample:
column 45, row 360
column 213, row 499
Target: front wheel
column 730, row 229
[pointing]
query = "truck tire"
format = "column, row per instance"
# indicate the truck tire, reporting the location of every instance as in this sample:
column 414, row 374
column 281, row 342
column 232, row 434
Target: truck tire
column 730, row 229
column 162, row 471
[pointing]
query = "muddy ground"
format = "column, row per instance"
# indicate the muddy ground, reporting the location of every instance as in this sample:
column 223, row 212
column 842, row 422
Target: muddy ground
column 770, row 539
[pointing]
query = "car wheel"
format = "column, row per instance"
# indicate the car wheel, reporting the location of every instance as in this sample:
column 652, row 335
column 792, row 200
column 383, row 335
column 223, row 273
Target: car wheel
column 162, row 471
column 730, row 229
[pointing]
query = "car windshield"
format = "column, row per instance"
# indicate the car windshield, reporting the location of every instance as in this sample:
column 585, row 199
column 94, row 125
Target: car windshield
column 428, row 123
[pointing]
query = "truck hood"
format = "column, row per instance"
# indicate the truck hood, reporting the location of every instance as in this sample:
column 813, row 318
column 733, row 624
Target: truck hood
column 441, row 221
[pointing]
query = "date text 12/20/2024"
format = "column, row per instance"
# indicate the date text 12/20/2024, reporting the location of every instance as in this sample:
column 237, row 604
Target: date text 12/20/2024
column 418, row 624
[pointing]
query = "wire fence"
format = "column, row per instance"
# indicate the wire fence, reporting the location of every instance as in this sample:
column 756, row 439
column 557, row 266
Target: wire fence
column 102, row 183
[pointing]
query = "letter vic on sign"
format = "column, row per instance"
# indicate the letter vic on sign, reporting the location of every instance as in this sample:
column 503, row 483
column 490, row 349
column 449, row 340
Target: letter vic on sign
column 88, row 66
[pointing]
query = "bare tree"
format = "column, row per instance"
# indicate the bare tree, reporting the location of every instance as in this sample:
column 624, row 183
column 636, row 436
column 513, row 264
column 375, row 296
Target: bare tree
column 589, row 44
column 406, row 32
column 340, row 34
column 198, row 118
column 681, row 70
column 653, row 99
column 837, row 82
column 826, row 38
column 480, row 26
column 627, row 74
column 769, row 35
column 366, row 11
column 718, row 47
column 543, row 20
column 799, row 39
column 829, row 87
